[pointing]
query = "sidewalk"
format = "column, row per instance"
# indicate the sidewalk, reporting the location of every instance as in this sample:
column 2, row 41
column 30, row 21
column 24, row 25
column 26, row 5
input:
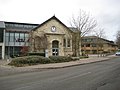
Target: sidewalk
column 91, row 59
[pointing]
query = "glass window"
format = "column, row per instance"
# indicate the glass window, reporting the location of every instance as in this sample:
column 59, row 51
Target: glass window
column 55, row 44
column 7, row 39
column 87, row 45
column 11, row 34
column 24, row 26
column 11, row 37
column 16, row 37
column 68, row 42
column 22, row 37
column 16, row 25
column 93, row 45
column 89, row 40
column 7, row 33
column 84, row 40
column 26, row 37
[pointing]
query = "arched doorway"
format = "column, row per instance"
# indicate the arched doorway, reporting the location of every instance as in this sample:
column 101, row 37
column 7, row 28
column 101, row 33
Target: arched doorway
column 55, row 48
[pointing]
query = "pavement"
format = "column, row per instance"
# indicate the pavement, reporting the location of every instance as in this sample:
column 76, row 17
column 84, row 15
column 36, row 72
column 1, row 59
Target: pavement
column 91, row 59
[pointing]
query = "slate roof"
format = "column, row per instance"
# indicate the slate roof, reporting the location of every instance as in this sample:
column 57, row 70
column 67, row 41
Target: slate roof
column 17, row 26
column 73, row 29
column 107, row 41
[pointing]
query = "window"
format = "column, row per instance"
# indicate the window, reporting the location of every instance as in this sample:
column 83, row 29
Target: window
column 7, row 34
column 68, row 42
column 26, row 37
column 64, row 42
column 22, row 37
column 87, row 40
column 16, row 37
column 7, row 38
column 12, row 37
column 93, row 45
column 87, row 45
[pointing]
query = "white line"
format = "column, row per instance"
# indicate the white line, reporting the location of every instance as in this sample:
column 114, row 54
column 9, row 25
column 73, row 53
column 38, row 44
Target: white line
column 83, row 74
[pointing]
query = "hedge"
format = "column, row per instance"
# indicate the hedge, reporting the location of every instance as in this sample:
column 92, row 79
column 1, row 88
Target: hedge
column 29, row 60
column 34, row 60
column 58, row 59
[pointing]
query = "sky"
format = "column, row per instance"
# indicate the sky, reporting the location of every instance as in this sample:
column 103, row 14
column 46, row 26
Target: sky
column 106, row 12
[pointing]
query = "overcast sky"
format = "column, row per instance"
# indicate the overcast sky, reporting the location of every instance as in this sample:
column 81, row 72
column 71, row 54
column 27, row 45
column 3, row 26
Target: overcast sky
column 106, row 12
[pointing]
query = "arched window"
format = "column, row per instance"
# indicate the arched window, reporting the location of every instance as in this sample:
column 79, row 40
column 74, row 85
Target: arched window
column 68, row 42
column 64, row 42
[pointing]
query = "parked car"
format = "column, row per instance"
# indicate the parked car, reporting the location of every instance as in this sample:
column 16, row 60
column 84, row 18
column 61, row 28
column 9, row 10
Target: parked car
column 117, row 53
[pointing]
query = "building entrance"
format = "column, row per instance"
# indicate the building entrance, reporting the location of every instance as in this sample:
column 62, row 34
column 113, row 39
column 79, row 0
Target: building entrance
column 55, row 48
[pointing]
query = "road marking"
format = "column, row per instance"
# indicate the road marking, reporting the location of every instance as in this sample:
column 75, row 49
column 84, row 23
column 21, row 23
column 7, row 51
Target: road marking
column 72, row 77
column 83, row 74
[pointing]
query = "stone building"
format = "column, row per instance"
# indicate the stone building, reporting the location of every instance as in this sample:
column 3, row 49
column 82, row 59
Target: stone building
column 52, row 37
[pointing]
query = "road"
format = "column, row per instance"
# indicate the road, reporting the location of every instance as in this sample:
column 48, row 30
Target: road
column 95, row 76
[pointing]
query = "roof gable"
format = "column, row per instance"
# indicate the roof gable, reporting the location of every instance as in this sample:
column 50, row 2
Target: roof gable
column 53, row 17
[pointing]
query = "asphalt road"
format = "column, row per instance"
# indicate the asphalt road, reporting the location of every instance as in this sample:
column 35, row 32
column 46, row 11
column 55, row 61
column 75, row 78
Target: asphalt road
column 96, row 76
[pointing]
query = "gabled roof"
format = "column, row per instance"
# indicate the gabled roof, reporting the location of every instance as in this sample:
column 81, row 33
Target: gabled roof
column 53, row 17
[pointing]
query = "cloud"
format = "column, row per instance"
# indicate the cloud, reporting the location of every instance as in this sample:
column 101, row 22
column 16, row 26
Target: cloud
column 108, row 17
column 106, row 12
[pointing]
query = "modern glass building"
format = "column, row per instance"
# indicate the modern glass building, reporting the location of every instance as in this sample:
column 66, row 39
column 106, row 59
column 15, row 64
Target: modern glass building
column 13, row 37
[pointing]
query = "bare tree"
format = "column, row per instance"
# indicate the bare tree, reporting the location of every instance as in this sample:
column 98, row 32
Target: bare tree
column 38, row 41
column 118, row 38
column 100, row 34
column 83, row 24
column 41, row 42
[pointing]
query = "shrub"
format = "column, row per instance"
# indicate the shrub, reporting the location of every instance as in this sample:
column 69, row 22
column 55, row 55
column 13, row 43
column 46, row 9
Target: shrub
column 58, row 59
column 33, row 60
column 29, row 60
